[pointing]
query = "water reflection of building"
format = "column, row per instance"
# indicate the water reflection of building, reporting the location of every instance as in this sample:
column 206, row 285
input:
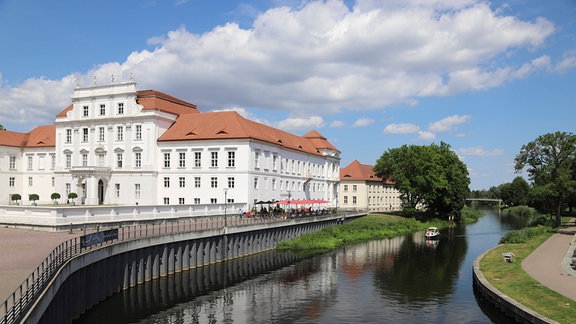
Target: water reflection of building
column 361, row 189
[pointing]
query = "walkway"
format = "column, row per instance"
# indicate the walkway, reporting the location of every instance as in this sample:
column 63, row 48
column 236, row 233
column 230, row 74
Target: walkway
column 549, row 264
column 21, row 251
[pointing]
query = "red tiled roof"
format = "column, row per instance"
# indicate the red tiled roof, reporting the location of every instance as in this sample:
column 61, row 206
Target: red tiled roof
column 357, row 171
column 155, row 100
column 41, row 136
column 231, row 125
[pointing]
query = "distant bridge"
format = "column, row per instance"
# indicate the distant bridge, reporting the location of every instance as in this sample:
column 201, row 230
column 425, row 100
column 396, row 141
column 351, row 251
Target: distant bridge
column 499, row 201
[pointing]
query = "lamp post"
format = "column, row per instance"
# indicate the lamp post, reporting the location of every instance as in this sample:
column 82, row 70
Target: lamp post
column 225, row 206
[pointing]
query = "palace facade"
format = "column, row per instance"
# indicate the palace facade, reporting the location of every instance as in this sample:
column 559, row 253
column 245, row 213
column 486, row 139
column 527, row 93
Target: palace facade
column 116, row 145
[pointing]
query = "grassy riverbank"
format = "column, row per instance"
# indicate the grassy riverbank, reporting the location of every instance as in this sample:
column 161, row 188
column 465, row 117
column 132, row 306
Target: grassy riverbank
column 513, row 281
column 371, row 227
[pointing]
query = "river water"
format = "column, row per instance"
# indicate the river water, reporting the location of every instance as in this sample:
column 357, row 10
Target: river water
column 401, row 280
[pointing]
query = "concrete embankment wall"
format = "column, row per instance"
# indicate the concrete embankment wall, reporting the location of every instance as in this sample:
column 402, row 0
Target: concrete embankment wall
column 102, row 272
column 501, row 301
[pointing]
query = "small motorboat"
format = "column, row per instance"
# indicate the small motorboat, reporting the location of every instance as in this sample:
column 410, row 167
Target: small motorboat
column 432, row 233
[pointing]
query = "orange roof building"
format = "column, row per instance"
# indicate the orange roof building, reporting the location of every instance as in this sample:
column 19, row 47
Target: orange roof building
column 362, row 190
column 115, row 144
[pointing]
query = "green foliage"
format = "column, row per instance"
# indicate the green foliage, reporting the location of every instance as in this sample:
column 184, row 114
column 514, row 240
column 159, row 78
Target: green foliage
column 550, row 161
column 371, row 227
column 72, row 195
column 16, row 197
column 430, row 176
column 2, row 127
column 521, row 211
column 523, row 235
column 33, row 197
column 55, row 196
column 470, row 215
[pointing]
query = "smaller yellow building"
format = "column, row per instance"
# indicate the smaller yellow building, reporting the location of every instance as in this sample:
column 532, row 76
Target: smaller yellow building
column 362, row 190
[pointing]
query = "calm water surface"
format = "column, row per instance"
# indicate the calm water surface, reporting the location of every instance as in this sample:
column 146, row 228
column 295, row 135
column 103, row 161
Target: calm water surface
column 405, row 279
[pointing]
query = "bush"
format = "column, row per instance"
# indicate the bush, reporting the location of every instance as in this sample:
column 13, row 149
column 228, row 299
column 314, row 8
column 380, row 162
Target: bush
column 33, row 197
column 522, row 235
column 521, row 211
column 72, row 195
column 55, row 196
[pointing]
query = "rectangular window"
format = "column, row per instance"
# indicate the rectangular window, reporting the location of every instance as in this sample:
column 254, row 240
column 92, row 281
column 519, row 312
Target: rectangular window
column 101, row 159
column 166, row 201
column 353, row 200
column 345, row 188
column 102, row 110
column 197, row 201
column 53, row 181
column 12, row 162
column 213, row 182
column 137, row 190
column 231, row 182
column 120, row 108
column 214, row 159
column 181, row 201
column 345, row 200
column 117, row 187
column 137, row 160
column 85, row 135
column 182, row 182
column 213, row 200
column 30, row 162
column 30, row 182
column 166, row 182
column 255, row 183
column 274, row 163
column 68, row 189
column 196, row 182
column 101, row 132
column 231, row 159
column 257, row 160
column 182, row 159
column 166, row 160
column 12, row 182
column 85, row 111
column 197, row 159
column 68, row 136
column 84, row 160
column 68, row 161
column 119, row 160
column 354, row 188
column 138, row 132
column 273, row 184
column 120, row 133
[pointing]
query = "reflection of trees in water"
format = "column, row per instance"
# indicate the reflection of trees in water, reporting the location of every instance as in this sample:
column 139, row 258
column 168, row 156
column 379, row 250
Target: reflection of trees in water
column 421, row 273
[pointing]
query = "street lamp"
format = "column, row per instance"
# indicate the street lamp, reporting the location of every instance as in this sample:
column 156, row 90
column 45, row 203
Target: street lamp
column 225, row 206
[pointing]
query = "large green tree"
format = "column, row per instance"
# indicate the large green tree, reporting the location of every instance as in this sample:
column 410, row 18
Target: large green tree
column 550, row 163
column 429, row 176
column 515, row 193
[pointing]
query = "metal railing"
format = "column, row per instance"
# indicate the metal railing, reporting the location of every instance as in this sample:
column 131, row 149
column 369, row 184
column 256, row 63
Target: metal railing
column 19, row 301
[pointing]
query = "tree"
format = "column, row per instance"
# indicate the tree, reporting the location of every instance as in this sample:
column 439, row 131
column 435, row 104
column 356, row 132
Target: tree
column 33, row 198
column 55, row 196
column 72, row 196
column 430, row 176
column 2, row 127
column 550, row 163
column 515, row 193
column 15, row 198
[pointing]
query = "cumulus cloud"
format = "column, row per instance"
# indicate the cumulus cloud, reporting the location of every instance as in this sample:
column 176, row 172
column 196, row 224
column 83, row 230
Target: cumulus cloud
column 363, row 122
column 299, row 124
column 448, row 123
column 401, row 129
column 320, row 56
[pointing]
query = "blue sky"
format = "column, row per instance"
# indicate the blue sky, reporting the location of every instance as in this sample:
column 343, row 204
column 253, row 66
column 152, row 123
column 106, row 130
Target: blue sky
column 484, row 77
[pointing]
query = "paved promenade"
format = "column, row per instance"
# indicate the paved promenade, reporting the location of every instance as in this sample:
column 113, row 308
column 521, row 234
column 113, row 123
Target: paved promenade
column 549, row 264
column 21, row 251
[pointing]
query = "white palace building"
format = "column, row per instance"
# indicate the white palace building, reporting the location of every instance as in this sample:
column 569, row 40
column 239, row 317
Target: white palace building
column 115, row 145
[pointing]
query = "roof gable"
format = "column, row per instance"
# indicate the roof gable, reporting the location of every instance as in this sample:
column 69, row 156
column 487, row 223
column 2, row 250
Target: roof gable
column 357, row 171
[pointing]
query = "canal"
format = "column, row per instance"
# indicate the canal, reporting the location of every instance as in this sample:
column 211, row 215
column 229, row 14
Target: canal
column 401, row 280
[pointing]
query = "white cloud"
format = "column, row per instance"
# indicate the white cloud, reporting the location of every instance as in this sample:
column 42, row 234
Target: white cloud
column 296, row 124
column 363, row 122
column 568, row 62
column 479, row 151
column 426, row 136
column 448, row 123
column 337, row 124
column 320, row 55
column 401, row 129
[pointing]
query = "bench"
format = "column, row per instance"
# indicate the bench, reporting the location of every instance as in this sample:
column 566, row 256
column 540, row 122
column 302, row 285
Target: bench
column 508, row 257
